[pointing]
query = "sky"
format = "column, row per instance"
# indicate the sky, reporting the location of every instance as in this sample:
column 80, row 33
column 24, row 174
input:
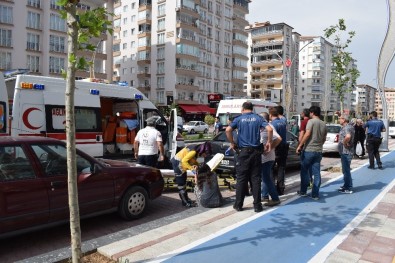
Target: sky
column 368, row 18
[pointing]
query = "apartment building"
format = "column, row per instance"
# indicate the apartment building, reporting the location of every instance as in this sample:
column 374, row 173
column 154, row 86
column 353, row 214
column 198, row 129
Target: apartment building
column 389, row 94
column 365, row 96
column 273, row 62
column 180, row 51
column 33, row 37
column 314, row 82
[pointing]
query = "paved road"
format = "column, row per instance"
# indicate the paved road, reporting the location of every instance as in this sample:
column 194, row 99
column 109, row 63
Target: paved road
column 52, row 244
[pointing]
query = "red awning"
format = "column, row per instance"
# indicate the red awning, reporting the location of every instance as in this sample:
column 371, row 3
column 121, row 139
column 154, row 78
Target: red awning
column 191, row 109
column 207, row 110
column 197, row 109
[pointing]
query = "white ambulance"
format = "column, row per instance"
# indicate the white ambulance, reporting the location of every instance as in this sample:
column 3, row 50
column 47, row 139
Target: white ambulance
column 107, row 116
column 231, row 108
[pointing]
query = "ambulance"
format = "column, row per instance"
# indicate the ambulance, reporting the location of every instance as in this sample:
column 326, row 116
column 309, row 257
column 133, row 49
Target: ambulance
column 108, row 116
column 231, row 108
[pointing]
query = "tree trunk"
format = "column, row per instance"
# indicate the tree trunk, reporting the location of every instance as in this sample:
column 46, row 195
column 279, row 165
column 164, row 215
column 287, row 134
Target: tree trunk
column 75, row 229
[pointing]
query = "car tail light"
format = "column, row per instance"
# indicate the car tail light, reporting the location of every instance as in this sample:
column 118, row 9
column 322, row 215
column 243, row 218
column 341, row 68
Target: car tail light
column 179, row 137
column 336, row 138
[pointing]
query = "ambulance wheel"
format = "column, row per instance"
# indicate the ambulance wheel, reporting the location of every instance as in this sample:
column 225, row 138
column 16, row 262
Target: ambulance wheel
column 134, row 203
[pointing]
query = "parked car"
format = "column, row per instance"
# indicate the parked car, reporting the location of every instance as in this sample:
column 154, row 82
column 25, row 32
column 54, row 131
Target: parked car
column 332, row 138
column 33, row 185
column 220, row 144
column 391, row 130
column 195, row 126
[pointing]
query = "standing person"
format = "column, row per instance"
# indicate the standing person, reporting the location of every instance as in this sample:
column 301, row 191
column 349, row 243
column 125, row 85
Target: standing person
column 248, row 166
column 294, row 128
column 360, row 136
column 346, row 151
column 311, row 156
column 279, row 123
column 267, row 167
column 217, row 126
column 374, row 127
column 305, row 115
column 206, row 187
column 185, row 160
column 147, row 143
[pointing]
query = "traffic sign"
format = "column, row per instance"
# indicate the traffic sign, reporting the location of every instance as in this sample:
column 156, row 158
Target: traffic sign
column 288, row 62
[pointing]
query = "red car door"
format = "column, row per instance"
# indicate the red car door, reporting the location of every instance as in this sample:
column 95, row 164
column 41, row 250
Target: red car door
column 95, row 191
column 23, row 194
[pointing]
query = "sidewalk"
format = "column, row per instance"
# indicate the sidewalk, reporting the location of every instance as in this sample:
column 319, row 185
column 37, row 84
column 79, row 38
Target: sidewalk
column 368, row 237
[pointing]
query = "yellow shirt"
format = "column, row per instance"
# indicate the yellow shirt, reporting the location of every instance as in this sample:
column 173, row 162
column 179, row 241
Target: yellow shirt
column 187, row 159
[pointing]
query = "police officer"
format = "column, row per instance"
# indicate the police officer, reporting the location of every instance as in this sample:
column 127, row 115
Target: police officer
column 248, row 166
column 373, row 128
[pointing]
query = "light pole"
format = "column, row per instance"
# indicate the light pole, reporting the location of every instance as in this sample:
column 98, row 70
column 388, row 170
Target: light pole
column 288, row 92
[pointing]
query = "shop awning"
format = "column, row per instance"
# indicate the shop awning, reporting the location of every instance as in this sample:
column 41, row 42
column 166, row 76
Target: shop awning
column 197, row 109
column 207, row 110
column 191, row 109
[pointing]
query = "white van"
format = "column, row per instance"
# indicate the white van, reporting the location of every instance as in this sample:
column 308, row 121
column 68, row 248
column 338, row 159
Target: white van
column 107, row 116
column 231, row 108
column 391, row 130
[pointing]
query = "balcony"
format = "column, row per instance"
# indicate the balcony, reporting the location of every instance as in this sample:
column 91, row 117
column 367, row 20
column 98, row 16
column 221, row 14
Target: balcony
column 186, row 10
column 267, row 34
column 144, row 87
column 143, row 74
column 263, row 43
column 187, row 70
column 144, row 60
column 267, row 81
column 187, row 25
column 237, row 5
column 186, row 86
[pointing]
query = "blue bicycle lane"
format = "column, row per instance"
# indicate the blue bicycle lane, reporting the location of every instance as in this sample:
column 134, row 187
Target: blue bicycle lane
column 298, row 230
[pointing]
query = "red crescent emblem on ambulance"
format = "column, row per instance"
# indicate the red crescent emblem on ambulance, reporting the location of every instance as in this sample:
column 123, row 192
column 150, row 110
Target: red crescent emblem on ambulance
column 25, row 118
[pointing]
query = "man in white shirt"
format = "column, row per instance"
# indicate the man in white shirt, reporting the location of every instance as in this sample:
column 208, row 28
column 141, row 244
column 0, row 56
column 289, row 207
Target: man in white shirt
column 147, row 143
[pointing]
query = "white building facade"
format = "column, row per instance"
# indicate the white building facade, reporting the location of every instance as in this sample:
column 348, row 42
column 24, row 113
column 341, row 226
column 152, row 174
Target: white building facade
column 314, row 82
column 180, row 51
column 33, row 37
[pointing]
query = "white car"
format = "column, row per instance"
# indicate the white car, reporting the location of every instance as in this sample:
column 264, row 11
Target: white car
column 391, row 130
column 332, row 138
column 195, row 126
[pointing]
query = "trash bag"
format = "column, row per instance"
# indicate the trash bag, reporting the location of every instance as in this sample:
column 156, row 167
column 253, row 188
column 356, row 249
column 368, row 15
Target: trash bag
column 358, row 149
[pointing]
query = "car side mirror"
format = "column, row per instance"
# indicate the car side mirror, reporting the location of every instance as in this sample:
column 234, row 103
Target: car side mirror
column 95, row 169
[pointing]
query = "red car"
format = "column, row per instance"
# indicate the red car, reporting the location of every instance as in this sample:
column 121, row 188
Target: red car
column 33, row 185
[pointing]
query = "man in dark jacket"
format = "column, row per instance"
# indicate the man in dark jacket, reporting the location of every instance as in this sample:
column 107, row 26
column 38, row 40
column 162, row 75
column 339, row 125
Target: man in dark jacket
column 359, row 136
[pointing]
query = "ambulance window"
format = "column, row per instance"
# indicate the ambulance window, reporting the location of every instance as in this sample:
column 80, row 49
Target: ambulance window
column 153, row 113
column 86, row 119
column 3, row 119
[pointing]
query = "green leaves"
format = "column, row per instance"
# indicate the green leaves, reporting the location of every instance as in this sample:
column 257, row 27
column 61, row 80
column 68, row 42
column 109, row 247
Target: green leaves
column 344, row 75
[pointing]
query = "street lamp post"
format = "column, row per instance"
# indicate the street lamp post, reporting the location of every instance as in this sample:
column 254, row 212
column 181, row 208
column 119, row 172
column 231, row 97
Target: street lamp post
column 288, row 92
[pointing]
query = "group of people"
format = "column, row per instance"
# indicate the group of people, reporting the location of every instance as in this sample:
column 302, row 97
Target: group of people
column 261, row 142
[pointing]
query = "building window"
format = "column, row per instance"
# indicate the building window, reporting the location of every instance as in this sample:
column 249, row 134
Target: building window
column 6, row 14
column 33, row 42
column 5, row 60
column 56, row 65
column 161, row 96
column 161, row 24
column 161, row 38
column 161, row 53
column 125, row 33
column 161, row 10
column 33, row 63
column 55, row 6
column 124, row 45
column 57, row 44
column 57, row 23
column 33, row 20
column 161, row 68
column 34, row 3
column 161, row 82
column 5, row 38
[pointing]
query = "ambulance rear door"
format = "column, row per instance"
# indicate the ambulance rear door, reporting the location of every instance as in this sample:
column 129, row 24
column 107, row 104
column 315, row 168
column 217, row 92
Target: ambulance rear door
column 89, row 134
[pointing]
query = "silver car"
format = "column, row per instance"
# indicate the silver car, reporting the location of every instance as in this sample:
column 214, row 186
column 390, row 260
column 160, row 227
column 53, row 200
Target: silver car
column 332, row 138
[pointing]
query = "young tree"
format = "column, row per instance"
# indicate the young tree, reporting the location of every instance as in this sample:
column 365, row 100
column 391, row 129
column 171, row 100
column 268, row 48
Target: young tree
column 81, row 27
column 344, row 75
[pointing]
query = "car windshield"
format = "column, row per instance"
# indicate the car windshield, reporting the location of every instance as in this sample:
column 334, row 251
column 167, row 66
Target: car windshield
column 191, row 123
column 392, row 124
column 333, row 129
